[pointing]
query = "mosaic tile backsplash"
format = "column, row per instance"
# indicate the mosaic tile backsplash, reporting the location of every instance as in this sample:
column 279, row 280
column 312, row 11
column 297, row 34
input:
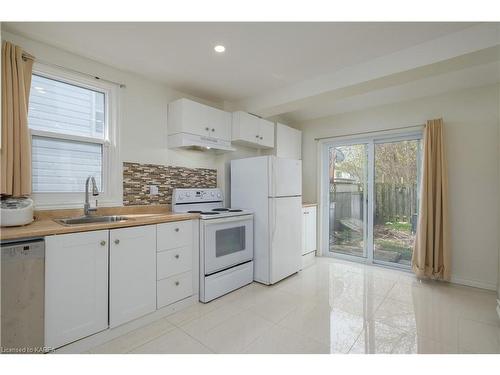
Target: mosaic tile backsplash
column 138, row 177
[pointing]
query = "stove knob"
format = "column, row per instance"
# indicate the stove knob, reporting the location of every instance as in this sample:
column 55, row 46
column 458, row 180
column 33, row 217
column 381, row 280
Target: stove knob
column 188, row 194
column 219, row 195
column 212, row 194
column 181, row 197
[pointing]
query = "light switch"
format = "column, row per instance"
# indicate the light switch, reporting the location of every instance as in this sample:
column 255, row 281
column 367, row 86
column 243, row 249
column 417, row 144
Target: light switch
column 153, row 190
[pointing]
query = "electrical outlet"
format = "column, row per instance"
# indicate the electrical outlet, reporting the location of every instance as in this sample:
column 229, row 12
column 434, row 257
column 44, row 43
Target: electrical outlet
column 153, row 190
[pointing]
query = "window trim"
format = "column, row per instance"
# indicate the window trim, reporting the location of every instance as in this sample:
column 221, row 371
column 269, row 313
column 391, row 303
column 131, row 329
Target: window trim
column 111, row 168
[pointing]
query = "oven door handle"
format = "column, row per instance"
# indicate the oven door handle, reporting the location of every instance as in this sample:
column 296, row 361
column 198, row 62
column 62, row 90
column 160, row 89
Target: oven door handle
column 229, row 219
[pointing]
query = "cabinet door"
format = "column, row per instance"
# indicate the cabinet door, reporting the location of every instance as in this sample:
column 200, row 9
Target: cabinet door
column 246, row 128
column 204, row 120
column 193, row 117
column 220, row 124
column 132, row 273
column 288, row 142
column 76, row 286
column 304, row 230
column 266, row 134
column 310, row 244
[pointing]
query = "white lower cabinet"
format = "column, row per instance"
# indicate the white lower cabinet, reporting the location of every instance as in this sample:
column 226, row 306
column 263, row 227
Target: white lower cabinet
column 308, row 235
column 76, row 286
column 174, row 265
column 308, row 229
column 172, row 262
column 132, row 276
column 105, row 278
column 174, row 288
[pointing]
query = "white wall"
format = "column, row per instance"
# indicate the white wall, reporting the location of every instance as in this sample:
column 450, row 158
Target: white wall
column 471, row 120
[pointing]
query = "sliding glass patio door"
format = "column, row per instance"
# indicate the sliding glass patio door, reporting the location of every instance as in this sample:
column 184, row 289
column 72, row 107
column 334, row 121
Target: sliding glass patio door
column 370, row 198
column 347, row 201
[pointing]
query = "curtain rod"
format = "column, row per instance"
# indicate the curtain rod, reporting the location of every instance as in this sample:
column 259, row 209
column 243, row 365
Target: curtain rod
column 30, row 57
column 370, row 132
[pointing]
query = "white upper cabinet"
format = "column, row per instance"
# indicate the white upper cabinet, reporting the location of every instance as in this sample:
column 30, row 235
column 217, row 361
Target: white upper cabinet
column 288, row 142
column 252, row 131
column 187, row 116
column 132, row 273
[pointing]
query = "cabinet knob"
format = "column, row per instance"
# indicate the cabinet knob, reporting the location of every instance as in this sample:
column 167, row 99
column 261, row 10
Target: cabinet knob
column 103, row 243
column 213, row 129
column 176, row 229
column 176, row 256
column 117, row 241
column 207, row 128
column 177, row 283
column 257, row 136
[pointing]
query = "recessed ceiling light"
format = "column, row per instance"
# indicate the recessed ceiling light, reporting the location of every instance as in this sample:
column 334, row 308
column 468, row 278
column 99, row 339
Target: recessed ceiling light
column 219, row 48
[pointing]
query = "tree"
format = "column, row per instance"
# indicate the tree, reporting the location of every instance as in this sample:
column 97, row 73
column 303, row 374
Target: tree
column 394, row 162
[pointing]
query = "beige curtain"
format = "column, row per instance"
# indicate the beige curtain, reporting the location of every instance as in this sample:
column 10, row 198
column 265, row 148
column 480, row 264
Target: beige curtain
column 16, row 142
column 431, row 251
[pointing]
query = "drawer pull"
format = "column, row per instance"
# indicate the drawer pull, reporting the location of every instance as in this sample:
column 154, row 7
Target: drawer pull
column 177, row 283
column 176, row 229
column 103, row 243
column 117, row 241
column 176, row 256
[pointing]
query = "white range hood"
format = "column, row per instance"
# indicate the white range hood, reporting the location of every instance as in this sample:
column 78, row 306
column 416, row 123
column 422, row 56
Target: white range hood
column 198, row 142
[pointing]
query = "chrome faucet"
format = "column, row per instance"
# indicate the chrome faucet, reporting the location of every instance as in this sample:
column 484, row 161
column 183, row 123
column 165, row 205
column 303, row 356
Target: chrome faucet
column 95, row 192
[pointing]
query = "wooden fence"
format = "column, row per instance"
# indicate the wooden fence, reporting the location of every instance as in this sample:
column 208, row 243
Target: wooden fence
column 394, row 202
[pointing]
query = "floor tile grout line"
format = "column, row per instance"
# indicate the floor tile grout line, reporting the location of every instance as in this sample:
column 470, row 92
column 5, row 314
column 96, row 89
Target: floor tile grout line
column 137, row 329
column 148, row 341
column 177, row 328
column 202, row 344
column 220, row 325
column 252, row 341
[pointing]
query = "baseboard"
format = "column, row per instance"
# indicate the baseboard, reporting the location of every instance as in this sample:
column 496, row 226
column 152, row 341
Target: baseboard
column 87, row 343
column 473, row 283
column 308, row 259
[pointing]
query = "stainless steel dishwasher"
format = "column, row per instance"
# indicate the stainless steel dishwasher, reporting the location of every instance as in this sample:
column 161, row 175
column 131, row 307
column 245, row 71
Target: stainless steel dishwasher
column 23, row 290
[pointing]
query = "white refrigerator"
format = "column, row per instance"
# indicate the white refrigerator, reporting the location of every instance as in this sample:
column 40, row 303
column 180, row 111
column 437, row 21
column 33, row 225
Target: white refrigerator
column 272, row 188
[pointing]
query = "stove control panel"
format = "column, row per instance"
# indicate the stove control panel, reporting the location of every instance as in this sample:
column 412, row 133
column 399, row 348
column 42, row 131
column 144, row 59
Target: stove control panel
column 180, row 196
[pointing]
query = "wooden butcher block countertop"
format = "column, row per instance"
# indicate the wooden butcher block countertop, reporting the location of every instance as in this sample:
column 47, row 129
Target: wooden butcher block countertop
column 309, row 204
column 44, row 224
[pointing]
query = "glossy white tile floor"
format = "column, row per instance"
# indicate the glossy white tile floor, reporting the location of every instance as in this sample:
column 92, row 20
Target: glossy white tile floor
column 330, row 307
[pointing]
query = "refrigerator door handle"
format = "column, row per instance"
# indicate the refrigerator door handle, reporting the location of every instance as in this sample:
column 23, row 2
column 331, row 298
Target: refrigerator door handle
column 274, row 223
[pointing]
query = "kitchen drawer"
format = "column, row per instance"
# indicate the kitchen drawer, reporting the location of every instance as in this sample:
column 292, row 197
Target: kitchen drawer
column 173, row 262
column 174, row 235
column 174, row 289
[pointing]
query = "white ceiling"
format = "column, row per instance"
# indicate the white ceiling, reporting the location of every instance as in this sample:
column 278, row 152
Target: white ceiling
column 260, row 57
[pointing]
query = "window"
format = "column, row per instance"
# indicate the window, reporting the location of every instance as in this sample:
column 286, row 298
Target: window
column 73, row 137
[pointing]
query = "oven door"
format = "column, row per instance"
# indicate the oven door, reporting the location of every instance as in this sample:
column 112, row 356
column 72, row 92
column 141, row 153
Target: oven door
column 227, row 242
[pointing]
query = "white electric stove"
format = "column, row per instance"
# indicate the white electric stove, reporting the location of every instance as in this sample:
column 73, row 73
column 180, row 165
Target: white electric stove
column 226, row 241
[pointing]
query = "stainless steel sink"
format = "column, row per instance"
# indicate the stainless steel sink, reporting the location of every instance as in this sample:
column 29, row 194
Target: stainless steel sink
column 91, row 219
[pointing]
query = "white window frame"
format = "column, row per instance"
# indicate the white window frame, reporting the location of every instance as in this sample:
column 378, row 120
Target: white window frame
column 111, row 185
